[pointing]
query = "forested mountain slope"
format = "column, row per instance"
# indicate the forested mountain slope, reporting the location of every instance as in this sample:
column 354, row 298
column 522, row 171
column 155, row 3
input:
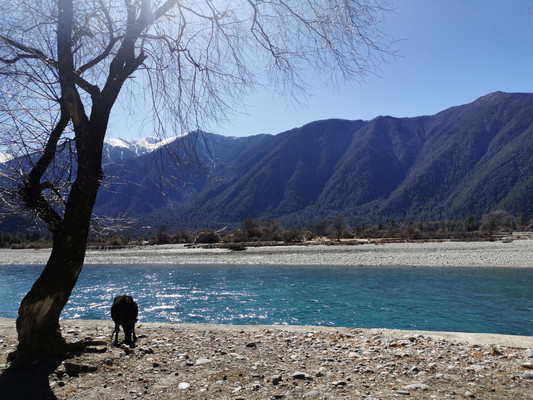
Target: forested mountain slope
column 466, row 160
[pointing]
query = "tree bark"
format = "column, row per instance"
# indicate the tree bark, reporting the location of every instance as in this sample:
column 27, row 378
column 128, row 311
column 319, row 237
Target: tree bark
column 38, row 321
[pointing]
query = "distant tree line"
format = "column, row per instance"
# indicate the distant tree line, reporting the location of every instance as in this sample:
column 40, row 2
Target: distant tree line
column 336, row 228
column 24, row 240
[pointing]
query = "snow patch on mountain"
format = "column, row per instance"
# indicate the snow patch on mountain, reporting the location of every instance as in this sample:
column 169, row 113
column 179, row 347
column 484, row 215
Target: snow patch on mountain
column 5, row 157
column 118, row 149
column 140, row 146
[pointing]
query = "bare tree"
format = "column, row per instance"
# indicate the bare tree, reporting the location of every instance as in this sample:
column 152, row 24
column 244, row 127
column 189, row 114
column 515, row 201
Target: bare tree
column 63, row 65
column 494, row 220
column 339, row 225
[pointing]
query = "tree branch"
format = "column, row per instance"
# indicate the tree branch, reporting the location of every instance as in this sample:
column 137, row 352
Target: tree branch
column 31, row 190
column 112, row 41
column 67, row 76
column 30, row 52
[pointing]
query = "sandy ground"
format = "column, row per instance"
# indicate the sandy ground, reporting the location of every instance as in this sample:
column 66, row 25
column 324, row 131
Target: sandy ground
column 514, row 253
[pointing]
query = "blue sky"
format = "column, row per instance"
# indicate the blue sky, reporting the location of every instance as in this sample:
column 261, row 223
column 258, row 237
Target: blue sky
column 450, row 52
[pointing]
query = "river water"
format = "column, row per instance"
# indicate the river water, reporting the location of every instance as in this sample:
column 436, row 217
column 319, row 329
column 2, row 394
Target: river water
column 488, row 300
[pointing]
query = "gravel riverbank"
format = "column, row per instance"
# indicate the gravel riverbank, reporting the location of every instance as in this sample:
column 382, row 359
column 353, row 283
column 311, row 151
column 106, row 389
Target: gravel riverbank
column 511, row 253
column 188, row 361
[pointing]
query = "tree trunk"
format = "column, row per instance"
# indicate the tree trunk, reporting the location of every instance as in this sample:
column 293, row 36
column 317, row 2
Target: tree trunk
column 38, row 321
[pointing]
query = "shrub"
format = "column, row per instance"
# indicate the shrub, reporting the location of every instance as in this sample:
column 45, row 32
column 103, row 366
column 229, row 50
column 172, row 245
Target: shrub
column 207, row 237
column 182, row 237
column 292, row 235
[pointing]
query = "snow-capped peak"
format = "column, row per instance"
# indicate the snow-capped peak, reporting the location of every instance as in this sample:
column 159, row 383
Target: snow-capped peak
column 140, row 146
column 117, row 149
column 5, row 157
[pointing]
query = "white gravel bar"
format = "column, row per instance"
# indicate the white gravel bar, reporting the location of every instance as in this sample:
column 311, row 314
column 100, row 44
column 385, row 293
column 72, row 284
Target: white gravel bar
column 509, row 253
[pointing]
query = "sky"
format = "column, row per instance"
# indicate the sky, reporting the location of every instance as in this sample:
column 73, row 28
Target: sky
column 449, row 52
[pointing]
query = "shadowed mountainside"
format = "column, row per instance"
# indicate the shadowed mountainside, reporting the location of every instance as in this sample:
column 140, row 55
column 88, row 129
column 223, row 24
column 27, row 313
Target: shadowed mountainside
column 466, row 160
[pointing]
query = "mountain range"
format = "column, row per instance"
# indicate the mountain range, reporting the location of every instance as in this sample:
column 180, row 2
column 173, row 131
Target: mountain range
column 467, row 160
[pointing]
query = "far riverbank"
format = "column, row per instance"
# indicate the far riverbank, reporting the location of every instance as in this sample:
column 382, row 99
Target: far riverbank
column 510, row 253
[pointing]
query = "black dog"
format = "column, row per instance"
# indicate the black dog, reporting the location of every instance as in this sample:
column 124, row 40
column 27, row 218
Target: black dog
column 124, row 312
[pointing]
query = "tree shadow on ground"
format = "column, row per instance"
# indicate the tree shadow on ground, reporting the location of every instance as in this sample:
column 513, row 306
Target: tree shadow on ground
column 28, row 381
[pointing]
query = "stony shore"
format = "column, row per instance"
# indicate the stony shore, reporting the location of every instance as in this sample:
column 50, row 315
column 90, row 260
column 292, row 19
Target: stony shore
column 187, row 361
column 508, row 253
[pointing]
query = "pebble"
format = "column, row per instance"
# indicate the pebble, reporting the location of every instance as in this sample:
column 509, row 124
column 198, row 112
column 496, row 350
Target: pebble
column 302, row 375
column 339, row 383
column 184, row 385
column 417, row 385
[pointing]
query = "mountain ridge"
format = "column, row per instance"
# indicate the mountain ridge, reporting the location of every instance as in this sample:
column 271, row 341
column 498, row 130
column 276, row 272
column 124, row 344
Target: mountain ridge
column 466, row 160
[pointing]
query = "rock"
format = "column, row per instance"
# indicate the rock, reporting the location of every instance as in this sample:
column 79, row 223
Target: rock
column 527, row 375
column 475, row 368
column 469, row 395
column 276, row 380
column 312, row 393
column 184, row 385
column 73, row 369
column 339, row 383
column 251, row 344
column 404, row 392
column 417, row 385
column 127, row 349
column 146, row 350
column 302, row 375
column 61, row 370
column 96, row 350
column 202, row 361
